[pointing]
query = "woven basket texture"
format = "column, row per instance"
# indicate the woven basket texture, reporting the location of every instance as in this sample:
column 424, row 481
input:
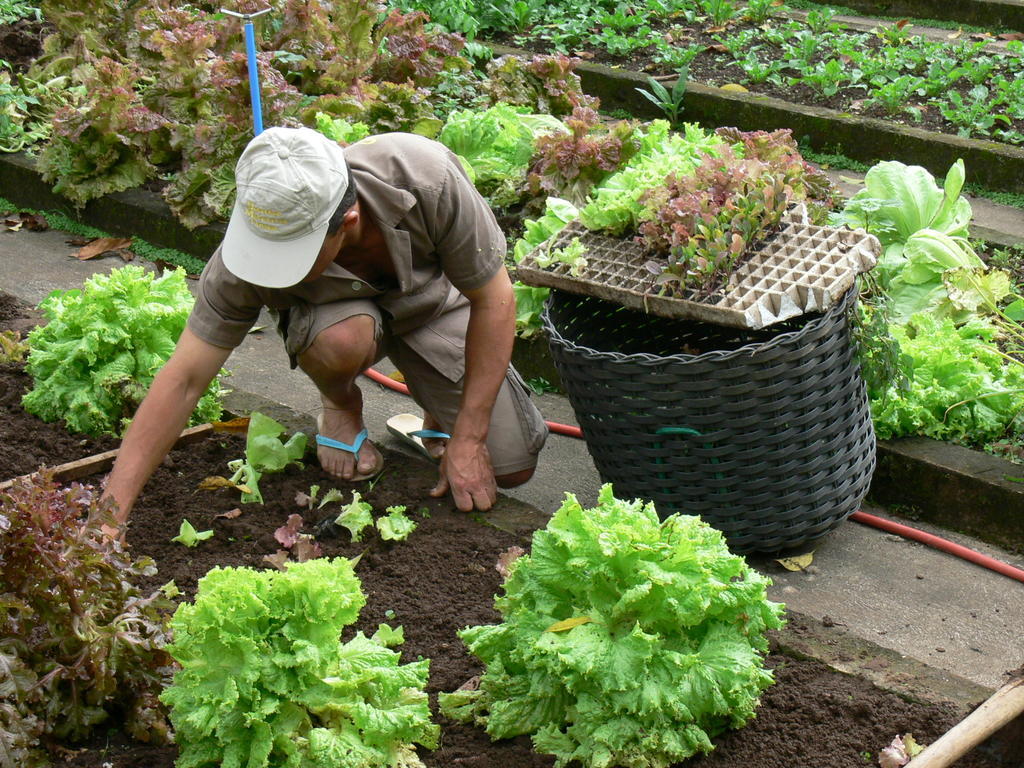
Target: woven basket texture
column 767, row 437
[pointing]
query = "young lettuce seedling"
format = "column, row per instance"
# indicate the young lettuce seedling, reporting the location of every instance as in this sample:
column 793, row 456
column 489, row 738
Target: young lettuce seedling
column 265, row 452
column 395, row 526
column 189, row 536
column 355, row 516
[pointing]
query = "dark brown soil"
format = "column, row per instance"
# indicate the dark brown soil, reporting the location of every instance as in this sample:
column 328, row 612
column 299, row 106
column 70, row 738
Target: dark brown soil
column 22, row 42
column 443, row 578
column 29, row 443
column 440, row 580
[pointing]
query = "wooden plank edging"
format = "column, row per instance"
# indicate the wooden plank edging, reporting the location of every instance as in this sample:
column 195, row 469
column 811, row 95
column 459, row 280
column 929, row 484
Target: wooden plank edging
column 101, row 462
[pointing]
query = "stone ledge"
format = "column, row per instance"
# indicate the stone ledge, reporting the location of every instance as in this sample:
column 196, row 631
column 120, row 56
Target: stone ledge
column 953, row 487
column 133, row 212
column 996, row 14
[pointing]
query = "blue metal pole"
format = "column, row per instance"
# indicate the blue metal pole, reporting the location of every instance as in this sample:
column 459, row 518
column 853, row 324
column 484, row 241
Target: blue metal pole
column 254, row 78
column 253, row 62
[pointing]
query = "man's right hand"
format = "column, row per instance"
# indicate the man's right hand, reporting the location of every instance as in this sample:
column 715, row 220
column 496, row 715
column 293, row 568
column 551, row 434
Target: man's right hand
column 114, row 534
column 160, row 419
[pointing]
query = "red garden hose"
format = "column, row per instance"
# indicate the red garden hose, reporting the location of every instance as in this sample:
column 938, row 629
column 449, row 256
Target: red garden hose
column 861, row 517
column 387, row 381
column 939, row 543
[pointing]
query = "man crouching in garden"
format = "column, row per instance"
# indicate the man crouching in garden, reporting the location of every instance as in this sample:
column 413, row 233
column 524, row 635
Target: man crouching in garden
column 381, row 248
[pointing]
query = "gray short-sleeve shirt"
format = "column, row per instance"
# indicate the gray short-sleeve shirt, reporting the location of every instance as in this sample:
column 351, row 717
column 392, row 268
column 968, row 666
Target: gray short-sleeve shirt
column 439, row 233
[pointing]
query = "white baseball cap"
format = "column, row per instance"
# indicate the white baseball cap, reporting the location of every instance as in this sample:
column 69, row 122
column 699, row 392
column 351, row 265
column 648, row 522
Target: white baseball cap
column 289, row 182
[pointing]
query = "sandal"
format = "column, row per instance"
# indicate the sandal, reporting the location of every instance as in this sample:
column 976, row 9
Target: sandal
column 409, row 429
column 330, row 442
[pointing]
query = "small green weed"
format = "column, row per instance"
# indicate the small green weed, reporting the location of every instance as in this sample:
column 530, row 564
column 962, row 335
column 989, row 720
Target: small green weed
column 669, row 102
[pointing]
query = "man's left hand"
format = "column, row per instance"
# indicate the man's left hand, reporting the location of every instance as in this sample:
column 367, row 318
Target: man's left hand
column 467, row 472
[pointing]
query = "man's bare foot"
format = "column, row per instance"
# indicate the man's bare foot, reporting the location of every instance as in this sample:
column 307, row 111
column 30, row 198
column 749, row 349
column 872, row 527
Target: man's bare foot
column 345, row 426
column 434, row 446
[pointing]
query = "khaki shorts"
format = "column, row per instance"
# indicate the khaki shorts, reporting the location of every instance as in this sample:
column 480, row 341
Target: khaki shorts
column 432, row 360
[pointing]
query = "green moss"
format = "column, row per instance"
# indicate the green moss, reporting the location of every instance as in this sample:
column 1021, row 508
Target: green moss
column 1014, row 199
column 140, row 247
column 833, row 158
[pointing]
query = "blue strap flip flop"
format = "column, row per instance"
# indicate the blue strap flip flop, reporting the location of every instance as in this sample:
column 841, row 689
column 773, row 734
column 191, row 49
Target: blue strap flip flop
column 353, row 449
column 330, row 442
column 409, row 429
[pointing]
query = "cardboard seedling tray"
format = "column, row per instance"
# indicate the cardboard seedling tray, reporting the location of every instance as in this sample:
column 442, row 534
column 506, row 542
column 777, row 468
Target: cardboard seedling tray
column 803, row 268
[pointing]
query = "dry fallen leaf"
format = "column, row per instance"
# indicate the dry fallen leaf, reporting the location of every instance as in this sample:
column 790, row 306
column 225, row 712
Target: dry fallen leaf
column 277, row 560
column 217, row 482
column 567, row 624
column 101, row 246
column 471, row 685
column 798, row 563
column 1011, row 36
column 33, row 222
column 231, row 514
column 214, row 483
column 234, row 427
column 954, row 35
column 306, row 548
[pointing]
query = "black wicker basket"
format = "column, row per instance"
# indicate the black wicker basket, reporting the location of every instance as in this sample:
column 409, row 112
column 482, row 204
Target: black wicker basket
column 768, row 437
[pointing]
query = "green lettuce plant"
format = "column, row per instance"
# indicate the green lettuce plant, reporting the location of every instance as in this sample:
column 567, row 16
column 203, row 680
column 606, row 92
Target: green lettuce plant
column 100, row 146
column 189, row 536
column 265, row 452
column 900, row 200
column 497, row 145
column 95, row 359
column 354, row 516
column 615, row 205
column 80, row 646
column 557, row 215
column 962, row 387
column 340, row 129
column 625, row 640
column 266, row 681
column 395, row 525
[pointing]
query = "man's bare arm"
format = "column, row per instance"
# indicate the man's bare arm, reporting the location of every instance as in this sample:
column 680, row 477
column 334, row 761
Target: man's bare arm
column 466, row 467
column 162, row 416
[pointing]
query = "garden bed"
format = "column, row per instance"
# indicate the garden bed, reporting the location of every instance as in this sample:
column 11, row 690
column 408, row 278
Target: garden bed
column 24, row 449
column 811, row 711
